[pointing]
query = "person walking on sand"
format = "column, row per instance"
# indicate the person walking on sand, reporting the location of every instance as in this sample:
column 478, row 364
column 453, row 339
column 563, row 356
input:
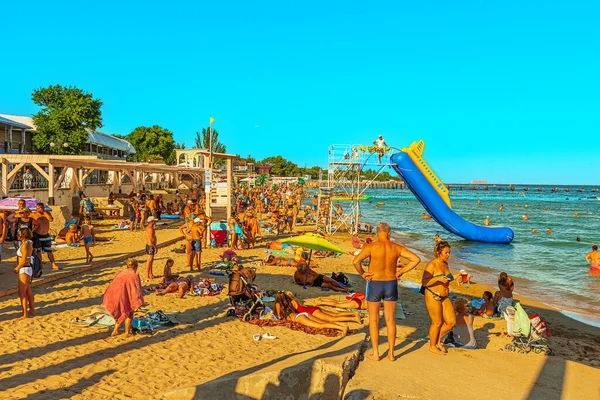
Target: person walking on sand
column 151, row 248
column 382, row 283
column 41, row 233
column 25, row 271
column 593, row 257
column 87, row 231
column 435, row 282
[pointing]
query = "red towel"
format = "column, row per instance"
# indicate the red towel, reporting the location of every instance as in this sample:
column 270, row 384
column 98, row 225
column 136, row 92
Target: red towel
column 123, row 295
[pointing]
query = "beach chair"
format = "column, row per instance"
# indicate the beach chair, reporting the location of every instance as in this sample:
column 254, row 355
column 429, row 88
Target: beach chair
column 529, row 333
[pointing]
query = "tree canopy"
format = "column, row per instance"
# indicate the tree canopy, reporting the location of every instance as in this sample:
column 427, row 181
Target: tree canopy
column 203, row 141
column 153, row 143
column 64, row 115
column 281, row 167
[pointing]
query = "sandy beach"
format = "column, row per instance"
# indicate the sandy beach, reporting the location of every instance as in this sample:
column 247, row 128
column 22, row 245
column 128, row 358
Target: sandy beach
column 49, row 358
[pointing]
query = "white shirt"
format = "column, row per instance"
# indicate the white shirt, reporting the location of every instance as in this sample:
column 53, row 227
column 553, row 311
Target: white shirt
column 381, row 143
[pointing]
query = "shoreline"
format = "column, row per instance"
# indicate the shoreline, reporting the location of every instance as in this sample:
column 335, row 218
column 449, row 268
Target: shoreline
column 486, row 276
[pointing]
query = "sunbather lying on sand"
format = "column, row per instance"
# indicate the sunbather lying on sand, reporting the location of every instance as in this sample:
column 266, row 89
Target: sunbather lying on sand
column 328, row 316
column 284, row 309
column 181, row 286
column 315, row 279
column 355, row 302
column 277, row 245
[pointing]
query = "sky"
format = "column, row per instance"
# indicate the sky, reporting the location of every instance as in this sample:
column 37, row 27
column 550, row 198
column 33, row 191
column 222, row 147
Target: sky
column 506, row 92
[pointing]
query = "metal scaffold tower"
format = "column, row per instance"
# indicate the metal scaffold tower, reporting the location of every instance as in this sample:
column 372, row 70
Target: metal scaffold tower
column 341, row 194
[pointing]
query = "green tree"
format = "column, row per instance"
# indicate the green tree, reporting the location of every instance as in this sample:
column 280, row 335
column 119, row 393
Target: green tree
column 65, row 114
column 203, row 142
column 151, row 142
column 281, row 167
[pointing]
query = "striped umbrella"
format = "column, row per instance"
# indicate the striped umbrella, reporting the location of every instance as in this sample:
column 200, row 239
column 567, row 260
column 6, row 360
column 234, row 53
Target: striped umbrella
column 11, row 203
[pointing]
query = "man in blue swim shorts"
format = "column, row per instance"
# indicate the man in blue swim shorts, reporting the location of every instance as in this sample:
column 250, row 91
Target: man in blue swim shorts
column 382, row 283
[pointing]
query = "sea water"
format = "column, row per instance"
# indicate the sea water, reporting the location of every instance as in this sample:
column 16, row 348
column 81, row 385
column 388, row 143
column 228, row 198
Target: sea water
column 549, row 267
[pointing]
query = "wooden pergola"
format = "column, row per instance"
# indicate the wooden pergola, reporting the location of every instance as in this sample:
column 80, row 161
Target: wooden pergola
column 80, row 167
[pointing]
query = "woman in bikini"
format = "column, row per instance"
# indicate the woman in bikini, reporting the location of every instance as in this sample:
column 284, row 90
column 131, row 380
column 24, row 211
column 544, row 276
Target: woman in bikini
column 435, row 282
column 504, row 297
column 24, row 270
column 593, row 257
column 271, row 260
column 284, row 309
column 355, row 302
column 324, row 315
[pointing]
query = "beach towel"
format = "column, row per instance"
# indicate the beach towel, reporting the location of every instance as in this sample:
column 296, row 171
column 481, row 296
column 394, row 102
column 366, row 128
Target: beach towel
column 296, row 327
column 123, row 295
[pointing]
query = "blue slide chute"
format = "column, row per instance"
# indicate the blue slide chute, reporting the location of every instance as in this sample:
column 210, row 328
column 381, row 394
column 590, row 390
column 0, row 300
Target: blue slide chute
column 439, row 209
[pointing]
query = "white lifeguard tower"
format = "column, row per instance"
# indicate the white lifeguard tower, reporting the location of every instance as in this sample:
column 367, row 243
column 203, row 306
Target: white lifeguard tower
column 346, row 184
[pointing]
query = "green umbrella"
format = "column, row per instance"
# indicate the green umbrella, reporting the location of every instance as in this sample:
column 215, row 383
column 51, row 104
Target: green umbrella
column 312, row 241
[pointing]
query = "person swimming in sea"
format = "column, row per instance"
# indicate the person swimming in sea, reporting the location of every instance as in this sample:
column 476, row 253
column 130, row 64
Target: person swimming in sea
column 534, row 231
column 548, row 231
column 486, row 221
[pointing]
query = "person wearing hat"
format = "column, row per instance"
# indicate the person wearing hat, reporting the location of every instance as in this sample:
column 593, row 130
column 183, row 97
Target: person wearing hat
column 196, row 233
column 486, row 221
column 151, row 246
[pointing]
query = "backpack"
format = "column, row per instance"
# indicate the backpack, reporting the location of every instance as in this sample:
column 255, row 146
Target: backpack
column 36, row 265
column 89, row 205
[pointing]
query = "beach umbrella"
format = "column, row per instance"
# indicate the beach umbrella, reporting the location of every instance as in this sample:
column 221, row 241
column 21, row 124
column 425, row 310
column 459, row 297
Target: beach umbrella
column 11, row 203
column 314, row 242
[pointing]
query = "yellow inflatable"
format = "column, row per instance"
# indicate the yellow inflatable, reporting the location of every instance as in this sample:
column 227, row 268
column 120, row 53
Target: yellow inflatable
column 415, row 152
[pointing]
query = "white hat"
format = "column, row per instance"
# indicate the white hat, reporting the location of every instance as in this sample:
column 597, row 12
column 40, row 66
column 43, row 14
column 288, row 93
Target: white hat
column 462, row 272
column 151, row 218
column 197, row 220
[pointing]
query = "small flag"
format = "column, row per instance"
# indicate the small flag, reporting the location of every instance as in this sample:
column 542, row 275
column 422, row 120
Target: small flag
column 212, row 120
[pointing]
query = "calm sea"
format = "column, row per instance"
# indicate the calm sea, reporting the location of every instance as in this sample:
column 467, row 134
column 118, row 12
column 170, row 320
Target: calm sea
column 549, row 267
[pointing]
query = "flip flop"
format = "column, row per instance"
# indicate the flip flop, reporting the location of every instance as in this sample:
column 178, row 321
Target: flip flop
column 268, row 336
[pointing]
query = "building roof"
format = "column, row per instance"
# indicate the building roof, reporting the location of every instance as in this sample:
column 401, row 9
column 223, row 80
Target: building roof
column 16, row 121
column 106, row 140
column 95, row 137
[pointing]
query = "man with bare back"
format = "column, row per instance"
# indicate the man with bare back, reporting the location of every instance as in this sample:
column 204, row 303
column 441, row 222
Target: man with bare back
column 44, row 241
column 382, row 283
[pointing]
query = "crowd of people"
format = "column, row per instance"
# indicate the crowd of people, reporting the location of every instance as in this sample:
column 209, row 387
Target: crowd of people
column 270, row 210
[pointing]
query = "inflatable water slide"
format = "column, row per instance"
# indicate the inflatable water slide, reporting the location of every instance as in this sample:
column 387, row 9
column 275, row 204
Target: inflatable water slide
column 433, row 195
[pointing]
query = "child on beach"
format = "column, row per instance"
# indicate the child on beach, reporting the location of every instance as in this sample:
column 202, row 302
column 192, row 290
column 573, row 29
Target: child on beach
column 87, row 231
column 461, row 334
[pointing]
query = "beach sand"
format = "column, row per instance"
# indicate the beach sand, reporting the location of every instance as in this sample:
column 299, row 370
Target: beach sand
column 46, row 357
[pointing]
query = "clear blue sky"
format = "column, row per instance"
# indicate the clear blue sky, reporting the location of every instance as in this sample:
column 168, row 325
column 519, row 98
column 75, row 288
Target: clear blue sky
column 503, row 91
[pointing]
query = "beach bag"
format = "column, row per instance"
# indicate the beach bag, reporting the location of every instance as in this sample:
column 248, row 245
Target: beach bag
column 522, row 325
column 89, row 206
column 341, row 278
column 36, row 265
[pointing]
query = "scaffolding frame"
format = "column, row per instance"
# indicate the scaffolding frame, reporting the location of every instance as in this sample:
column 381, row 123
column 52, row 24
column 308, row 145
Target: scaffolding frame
column 345, row 178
